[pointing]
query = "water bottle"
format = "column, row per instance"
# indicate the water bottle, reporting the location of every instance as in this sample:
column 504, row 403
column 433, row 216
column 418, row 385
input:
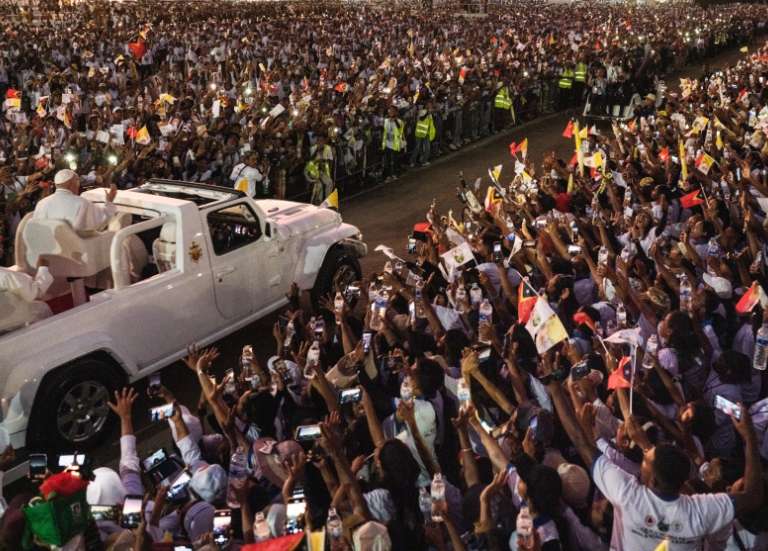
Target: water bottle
column 461, row 299
column 524, row 526
column 313, row 359
column 462, row 392
column 475, row 295
column 686, row 291
column 438, row 496
column 333, row 525
column 290, row 331
column 425, row 503
column 406, row 390
column 485, row 318
column 238, row 474
column 261, row 528
column 621, row 316
column 602, row 256
column 651, row 348
column 761, row 348
column 338, row 303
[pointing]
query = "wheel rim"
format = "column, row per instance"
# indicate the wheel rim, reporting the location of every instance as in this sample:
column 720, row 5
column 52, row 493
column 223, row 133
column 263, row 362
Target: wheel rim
column 344, row 276
column 83, row 411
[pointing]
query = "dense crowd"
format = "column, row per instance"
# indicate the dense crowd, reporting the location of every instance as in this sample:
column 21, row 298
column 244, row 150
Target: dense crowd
column 576, row 361
column 287, row 100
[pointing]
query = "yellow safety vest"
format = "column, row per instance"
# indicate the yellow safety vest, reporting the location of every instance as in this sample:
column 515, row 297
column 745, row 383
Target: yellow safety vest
column 502, row 101
column 311, row 170
column 397, row 137
column 581, row 72
column 425, row 127
column 566, row 79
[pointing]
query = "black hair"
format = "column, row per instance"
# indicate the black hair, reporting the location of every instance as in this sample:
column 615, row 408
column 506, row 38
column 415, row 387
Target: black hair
column 671, row 468
column 430, row 377
column 400, row 473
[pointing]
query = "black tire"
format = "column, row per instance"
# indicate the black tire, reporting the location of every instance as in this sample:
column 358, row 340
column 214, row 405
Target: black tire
column 91, row 380
column 338, row 265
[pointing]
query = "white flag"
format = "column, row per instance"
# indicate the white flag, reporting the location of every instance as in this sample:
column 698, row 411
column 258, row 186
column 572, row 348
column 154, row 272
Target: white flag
column 545, row 326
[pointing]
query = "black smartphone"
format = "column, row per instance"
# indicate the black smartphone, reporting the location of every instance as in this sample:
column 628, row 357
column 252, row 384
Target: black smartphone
column 38, row 465
column 105, row 512
column 153, row 460
column 498, row 252
column 131, row 516
column 67, row 460
column 350, row 396
column 366, row 341
column 294, row 512
column 307, row 433
column 178, row 490
column 160, row 413
column 411, row 245
column 222, row 522
column 153, row 389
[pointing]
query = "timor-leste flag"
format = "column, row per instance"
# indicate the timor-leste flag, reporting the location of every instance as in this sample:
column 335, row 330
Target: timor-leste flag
column 526, row 300
column 751, row 298
column 620, row 377
column 692, row 199
column 568, row 132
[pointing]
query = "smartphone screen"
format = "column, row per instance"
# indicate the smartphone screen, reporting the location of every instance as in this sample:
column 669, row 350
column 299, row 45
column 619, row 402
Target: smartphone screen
column 105, row 512
column 131, row 512
column 155, row 459
column 366, row 342
column 305, row 433
column 159, row 413
column 497, row 252
column 178, row 488
column 350, row 396
column 38, row 464
column 221, row 526
column 728, row 407
column 67, row 460
column 154, row 384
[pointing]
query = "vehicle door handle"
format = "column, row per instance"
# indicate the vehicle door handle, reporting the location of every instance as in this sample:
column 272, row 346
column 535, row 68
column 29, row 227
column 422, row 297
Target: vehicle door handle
column 224, row 271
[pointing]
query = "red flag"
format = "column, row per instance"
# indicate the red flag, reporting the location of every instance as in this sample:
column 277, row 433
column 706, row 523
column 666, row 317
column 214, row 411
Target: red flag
column 341, row 87
column 568, row 132
column 574, row 160
column 664, row 154
column 580, row 318
column 526, row 300
column 11, row 93
column 692, row 199
column 514, row 148
column 749, row 300
column 620, row 376
column 132, row 131
column 283, row 543
column 138, row 49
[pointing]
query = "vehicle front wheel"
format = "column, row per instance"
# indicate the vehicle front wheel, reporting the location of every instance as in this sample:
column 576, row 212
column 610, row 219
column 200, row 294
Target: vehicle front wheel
column 72, row 413
column 340, row 268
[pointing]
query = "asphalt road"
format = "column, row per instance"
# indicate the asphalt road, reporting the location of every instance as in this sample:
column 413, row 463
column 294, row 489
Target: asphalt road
column 385, row 215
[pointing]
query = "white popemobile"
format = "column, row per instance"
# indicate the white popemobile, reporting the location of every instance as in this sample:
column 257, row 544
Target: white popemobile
column 179, row 263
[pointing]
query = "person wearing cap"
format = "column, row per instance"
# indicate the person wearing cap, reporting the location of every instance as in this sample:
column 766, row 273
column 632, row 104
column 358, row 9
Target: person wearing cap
column 66, row 204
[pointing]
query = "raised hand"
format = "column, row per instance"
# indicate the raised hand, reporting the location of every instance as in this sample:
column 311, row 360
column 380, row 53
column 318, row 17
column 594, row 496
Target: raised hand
column 124, row 400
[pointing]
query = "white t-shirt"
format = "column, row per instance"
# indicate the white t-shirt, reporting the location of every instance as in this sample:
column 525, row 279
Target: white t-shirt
column 642, row 519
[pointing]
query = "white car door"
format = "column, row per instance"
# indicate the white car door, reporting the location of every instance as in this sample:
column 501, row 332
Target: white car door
column 237, row 238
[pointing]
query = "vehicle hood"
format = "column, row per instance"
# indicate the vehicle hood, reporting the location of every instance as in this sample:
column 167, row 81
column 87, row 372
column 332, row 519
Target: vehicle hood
column 293, row 218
